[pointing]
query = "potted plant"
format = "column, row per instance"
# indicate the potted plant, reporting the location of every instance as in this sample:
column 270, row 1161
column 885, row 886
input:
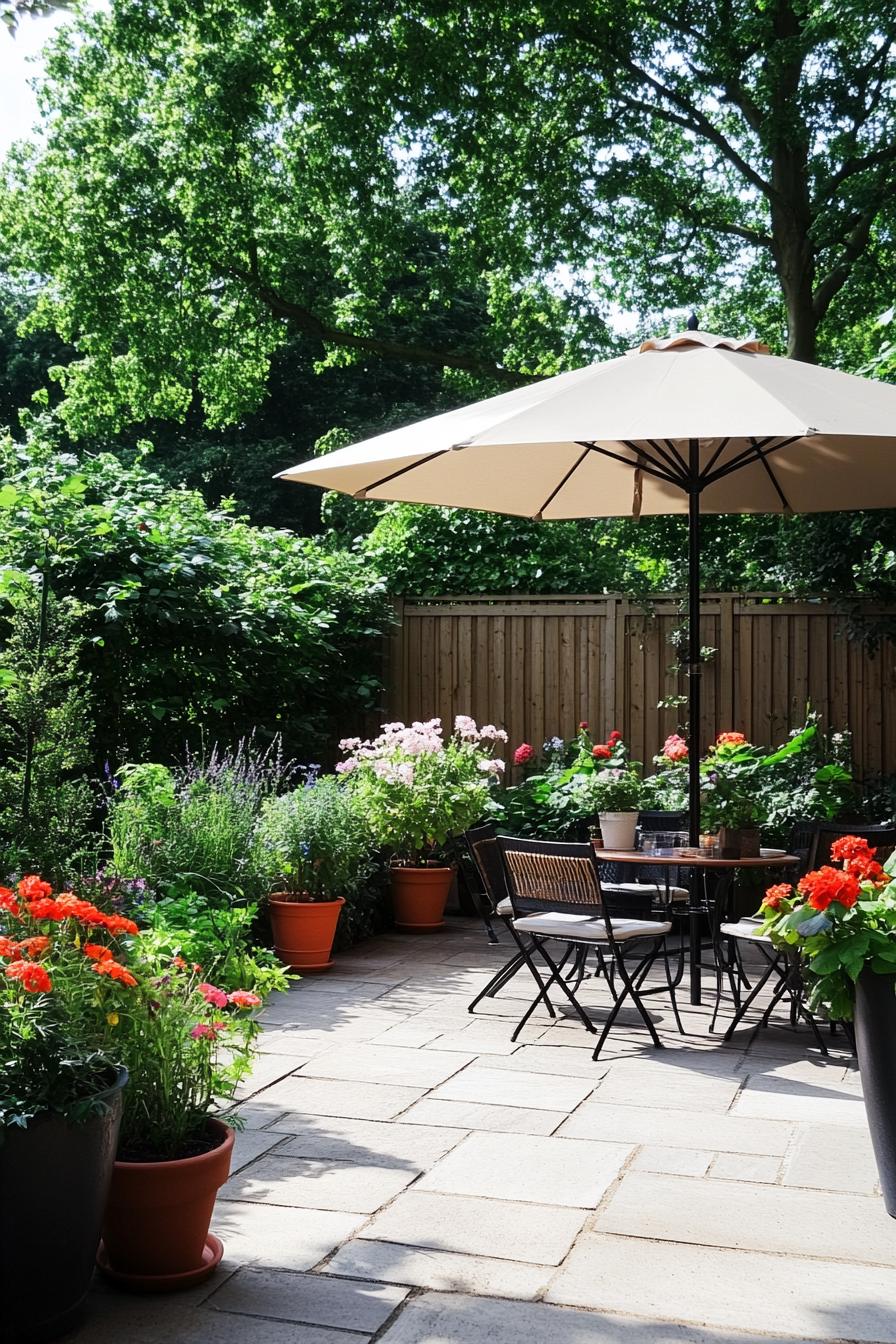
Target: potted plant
column 415, row 791
column 842, row 920
column 187, row 1043
column 614, row 788
column 61, row 1086
column 314, row 848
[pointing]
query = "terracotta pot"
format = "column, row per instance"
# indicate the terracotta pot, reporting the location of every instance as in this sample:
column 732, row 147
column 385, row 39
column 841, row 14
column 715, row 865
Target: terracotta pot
column 618, row 829
column 419, row 896
column 155, row 1233
column 54, row 1176
column 875, row 1024
column 304, row 931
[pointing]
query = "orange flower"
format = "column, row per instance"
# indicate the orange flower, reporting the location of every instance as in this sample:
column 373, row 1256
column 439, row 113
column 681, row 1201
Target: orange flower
column 8, row 901
column 31, row 888
column 33, row 977
column 601, row 752
column 117, row 924
column 32, row 947
column 8, row 946
column 828, row 885
column 731, row 740
column 115, row 971
column 244, row 999
column 96, row 952
column 782, row 891
column 44, row 907
column 851, row 847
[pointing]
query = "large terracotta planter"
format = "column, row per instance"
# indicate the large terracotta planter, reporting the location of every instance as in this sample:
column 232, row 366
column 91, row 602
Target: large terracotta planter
column 419, row 896
column 156, row 1231
column 54, row 1177
column 304, row 931
column 875, row 1025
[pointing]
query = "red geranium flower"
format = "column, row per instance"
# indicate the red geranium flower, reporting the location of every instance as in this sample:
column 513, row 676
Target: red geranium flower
column 209, row 1031
column 782, row 891
column 601, row 752
column 32, row 947
column 31, row 888
column 8, row 947
column 827, row 885
column 675, row 748
column 114, row 969
column 32, row 975
column 8, row 901
column 583, row 725
column 244, row 999
column 46, row 908
column 117, row 924
column 212, row 994
column 96, row 952
column 851, row 847
column 614, row 737
column 523, row 754
column 731, row 740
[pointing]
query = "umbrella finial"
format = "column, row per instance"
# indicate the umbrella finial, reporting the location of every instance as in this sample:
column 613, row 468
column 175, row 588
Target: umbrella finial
column 693, row 324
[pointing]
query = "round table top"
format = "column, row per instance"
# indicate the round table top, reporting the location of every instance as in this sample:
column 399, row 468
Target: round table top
column 684, row 858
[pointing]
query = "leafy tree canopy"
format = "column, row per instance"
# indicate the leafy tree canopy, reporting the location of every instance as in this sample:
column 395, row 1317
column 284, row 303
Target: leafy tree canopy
column 191, row 621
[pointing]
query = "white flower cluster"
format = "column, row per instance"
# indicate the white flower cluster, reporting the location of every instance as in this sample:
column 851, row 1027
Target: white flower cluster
column 420, row 739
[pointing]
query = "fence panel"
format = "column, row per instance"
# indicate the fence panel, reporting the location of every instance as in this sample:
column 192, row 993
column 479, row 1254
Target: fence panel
column 537, row 666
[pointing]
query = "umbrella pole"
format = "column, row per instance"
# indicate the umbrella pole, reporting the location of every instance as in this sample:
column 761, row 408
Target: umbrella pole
column 694, row 660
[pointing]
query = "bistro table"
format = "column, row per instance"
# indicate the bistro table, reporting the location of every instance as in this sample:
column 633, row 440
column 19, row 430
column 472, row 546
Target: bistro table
column 700, row 865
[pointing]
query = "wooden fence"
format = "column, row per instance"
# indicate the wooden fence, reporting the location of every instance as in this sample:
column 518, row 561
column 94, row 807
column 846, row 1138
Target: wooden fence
column 538, row 665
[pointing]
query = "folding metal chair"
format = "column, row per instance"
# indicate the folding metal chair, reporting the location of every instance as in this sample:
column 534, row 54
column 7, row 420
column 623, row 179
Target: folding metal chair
column 556, row 895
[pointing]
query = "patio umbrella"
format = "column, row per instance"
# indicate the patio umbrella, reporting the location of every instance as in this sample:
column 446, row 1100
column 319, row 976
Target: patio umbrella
column 688, row 424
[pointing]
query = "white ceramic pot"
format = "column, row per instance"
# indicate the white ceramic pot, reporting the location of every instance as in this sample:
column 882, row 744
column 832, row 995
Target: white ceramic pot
column 618, row 829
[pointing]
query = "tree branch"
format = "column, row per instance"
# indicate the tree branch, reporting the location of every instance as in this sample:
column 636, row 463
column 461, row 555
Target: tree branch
column 312, row 325
column 827, row 289
column 887, row 154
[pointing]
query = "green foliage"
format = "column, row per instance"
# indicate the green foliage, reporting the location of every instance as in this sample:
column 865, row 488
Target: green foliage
column 314, row 843
column 190, row 830
column 47, row 804
column 221, row 939
column 415, row 790
column 193, row 623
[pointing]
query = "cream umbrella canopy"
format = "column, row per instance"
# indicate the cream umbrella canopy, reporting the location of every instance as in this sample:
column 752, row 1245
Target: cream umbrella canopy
column 689, row 424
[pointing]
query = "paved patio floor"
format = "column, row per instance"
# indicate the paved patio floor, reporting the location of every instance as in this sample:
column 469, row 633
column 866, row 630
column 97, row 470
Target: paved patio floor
column 408, row 1175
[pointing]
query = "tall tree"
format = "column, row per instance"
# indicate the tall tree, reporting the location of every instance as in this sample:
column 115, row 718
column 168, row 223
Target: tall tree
column 216, row 174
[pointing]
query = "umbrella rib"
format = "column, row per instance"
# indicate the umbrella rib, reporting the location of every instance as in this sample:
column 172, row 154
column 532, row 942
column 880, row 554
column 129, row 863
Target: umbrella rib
column 586, row 449
column 643, row 457
column 393, row 475
column 679, row 461
column 753, row 454
column 627, row 462
column 774, row 480
column 715, row 457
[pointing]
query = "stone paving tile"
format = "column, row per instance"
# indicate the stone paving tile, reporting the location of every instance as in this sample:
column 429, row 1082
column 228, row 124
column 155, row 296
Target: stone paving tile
column 388, row 1064
column 669, row 1208
column 500, row 1228
column 730, row 1290
column 258, row 1114
column 640, row 1083
column 444, row 1270
column 168, row 1320
column 504, row 1087
column 279, row 1237
column 346, row 1187
column 466, row 1115
column 546, row 1058
column 783, row 1099
column 410, row 1034
column 569, row 1173
column 672, row 1161
column 310, row 1299
column 437, row 1318
column 250, row 1144
column 269, row 1069
column 329, row 1096
column 746, row 1167
column 832, row 1158
column 677, row 1129
column 412, row 1147
column 485, row 1036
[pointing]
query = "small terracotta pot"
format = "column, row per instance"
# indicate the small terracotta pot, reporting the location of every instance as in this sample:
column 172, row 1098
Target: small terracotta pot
column 155, row 1233
column 304, row 931
column 419, row 896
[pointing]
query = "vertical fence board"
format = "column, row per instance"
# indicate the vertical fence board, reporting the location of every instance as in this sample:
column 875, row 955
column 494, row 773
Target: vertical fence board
column 537, row 666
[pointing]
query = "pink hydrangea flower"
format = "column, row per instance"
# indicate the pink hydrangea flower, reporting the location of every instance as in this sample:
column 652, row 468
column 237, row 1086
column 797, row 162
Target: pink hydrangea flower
column 675, row 748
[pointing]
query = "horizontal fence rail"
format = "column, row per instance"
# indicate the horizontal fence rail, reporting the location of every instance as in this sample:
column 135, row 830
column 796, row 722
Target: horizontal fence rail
column 537, row 666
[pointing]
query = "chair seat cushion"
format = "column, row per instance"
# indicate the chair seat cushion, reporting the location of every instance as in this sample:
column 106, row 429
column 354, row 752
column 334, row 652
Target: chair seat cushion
column 657, row 889
column 504, row 908
column 745, row 928
column 587, row 929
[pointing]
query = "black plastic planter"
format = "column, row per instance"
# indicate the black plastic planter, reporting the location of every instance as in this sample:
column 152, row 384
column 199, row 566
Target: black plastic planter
column 54, row 1178
column 875, row 1025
